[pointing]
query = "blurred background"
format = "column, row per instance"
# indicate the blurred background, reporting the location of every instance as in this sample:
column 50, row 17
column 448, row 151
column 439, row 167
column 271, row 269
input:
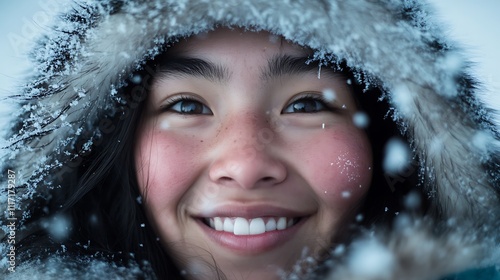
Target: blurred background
column 474, row 24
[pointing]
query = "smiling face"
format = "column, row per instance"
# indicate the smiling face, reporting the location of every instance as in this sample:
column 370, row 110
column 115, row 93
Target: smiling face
column 246, row 156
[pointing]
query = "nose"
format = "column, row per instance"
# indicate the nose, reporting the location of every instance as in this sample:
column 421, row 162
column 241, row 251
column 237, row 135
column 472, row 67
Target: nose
column 245, row 159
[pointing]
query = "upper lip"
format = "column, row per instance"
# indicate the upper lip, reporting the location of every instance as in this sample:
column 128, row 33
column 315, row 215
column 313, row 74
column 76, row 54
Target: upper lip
column 253, row 211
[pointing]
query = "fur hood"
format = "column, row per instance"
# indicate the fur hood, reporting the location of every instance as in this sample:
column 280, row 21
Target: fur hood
column 392, row 44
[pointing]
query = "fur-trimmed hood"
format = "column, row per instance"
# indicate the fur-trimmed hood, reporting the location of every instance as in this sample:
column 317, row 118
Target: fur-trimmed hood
column 393, row 44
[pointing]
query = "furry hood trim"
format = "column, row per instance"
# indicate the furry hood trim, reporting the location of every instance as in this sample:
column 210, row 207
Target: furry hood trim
column 96, row 47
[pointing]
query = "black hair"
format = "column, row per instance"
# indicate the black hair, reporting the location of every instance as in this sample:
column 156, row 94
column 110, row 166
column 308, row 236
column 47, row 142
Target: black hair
column 101, row 200
column 388, row 191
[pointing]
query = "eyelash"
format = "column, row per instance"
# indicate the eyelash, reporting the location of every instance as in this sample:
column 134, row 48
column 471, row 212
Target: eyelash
column 171, row 102
column 175, row 99
column 314, row 97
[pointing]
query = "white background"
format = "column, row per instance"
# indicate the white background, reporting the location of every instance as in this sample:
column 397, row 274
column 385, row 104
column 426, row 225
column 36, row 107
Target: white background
column 475, row 24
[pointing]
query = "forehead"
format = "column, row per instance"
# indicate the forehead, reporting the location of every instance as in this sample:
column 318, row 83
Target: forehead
column 246, row 60
column 225, row 41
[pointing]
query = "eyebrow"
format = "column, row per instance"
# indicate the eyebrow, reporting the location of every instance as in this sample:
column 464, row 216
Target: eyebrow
column 286, row 65
column 187, row 66
column 277, row 66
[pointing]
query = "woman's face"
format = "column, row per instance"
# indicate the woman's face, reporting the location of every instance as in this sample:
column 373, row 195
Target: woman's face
column 246, row 156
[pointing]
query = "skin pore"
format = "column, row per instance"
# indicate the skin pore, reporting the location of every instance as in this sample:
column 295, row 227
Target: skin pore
column 239, row 132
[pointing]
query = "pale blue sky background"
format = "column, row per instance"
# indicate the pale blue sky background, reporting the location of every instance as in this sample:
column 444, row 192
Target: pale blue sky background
column 474, row 23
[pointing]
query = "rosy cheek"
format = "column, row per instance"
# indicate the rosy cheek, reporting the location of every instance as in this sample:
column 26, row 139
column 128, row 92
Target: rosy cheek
column 341, row 166
column 163, row 162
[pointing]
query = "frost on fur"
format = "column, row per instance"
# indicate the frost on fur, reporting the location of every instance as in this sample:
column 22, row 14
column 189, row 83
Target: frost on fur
column 412, row 251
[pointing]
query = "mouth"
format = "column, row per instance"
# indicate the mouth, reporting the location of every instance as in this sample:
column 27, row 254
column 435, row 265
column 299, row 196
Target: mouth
column 251, row 236
column 254, row 226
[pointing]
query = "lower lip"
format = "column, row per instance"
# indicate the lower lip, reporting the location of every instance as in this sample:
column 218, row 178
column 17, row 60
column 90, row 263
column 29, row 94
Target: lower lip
column 251, row 244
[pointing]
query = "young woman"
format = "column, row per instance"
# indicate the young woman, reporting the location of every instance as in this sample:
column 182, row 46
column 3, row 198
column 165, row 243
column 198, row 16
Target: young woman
column 250, row 140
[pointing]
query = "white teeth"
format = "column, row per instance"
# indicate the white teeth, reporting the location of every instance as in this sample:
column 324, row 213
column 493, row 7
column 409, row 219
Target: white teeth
column 228, row 225
column 271, row 225
column 257, row 226
column 219, row 225
column 281, row 224
column 242, row 226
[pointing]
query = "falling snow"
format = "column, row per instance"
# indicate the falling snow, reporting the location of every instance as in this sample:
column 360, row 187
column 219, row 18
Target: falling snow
column 136, row 79
column 483, row 141
column 402, row 97
column 371, row 259
column 412, row 201
column 397, row 156
column 359, row 218
column 346, row 194
column 58, row 227
column 361, row 120
column 329, row 95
